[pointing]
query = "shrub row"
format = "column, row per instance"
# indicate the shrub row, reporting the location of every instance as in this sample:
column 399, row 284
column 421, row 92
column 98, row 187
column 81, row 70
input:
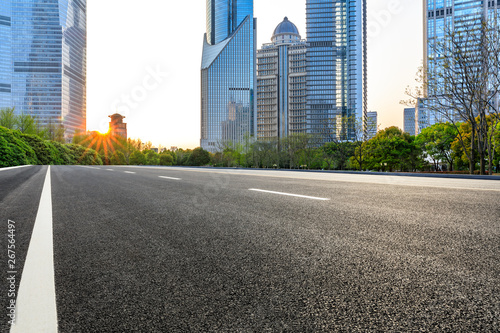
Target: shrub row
column 17, row 148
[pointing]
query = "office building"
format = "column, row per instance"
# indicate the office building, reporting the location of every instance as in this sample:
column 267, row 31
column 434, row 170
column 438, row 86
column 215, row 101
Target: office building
column 5, row 54
column 228, row 74
column 371, row 124
column 43, row 61
column 334, row 67
column 281, row 84
column 409, row 121
column 440, row 18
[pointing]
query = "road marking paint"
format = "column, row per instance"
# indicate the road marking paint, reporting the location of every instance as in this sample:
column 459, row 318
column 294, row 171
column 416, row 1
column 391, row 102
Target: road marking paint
column 36, row 302
column 289, row 194
column 361, row 179
column 110, row 170
column 129, row 172
column 88, row 167
column 15, row 167
column 164, row 177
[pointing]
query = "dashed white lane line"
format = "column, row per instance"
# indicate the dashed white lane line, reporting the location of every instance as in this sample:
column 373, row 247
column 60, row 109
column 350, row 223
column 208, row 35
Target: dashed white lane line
column 172, row 178
column 129, row 172
column 289, row 194
column 16, row 167
column 110, row 170
column 36, row 302
column 88, row 167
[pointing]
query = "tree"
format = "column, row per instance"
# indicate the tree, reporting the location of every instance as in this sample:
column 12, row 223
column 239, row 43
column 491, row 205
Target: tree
column 166, row 159
column 392, row 149
column 463, row 83
column 7, row 118
column 118, row 158
column 137, row 158
column 25, row 123
column 199, row 157
column 152, row 157
column 436, row 141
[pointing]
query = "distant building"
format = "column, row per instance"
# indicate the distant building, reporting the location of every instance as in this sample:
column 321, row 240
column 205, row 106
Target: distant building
column 372, row 124
column 281, row 84
column 409, row 121
column 117, row 127
column 156, row 150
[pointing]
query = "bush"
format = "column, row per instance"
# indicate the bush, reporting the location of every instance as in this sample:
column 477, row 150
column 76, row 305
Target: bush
column 137, row 158
column 166, row 159
column 13, row 150
column 118, row 158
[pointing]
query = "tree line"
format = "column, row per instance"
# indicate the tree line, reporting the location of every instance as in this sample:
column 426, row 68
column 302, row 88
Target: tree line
column 437, row 148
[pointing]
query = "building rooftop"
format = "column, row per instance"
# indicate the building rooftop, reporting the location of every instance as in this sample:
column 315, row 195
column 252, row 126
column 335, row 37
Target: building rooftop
column 286, row 27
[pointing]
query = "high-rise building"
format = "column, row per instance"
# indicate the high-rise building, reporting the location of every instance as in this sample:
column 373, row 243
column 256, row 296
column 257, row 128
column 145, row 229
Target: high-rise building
column 409, row 121
column 43, row 60
column 281, row 84
column 440, row 18
column 371, row 124
column 334, row 66
column 5, row 54
column 228, row 73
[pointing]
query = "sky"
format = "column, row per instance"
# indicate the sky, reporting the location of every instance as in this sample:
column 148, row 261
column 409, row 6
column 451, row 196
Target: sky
column 144, row 57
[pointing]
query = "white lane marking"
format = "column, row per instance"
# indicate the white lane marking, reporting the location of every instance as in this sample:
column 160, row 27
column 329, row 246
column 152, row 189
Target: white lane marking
column 88, row 167
column 129, row 172
column 110, row 170
column 36, row 302
column 446, row 183
column 15, row 167
column 164, row 177
column 289, row 194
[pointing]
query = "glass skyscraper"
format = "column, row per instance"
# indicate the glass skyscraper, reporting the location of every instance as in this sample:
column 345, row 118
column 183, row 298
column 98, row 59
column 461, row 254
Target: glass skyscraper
column 228, row 74
column 440, row 17
column 43, row 60
column 334, row 67
column 5, row 53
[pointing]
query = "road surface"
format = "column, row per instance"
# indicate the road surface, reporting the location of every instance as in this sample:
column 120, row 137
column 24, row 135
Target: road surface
column 156, row 249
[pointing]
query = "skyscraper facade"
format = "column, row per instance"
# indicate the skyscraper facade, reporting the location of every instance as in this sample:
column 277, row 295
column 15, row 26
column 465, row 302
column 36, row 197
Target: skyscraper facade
column 440, row 18
column 334, row 67
column 45, row 44
column 281, row 84
column 228, row 74
column 409, row 121
column 371, row 124
column 5, row 54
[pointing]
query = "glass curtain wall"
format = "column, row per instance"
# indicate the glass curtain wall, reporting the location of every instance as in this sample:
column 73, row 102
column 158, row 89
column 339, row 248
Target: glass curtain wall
column 227, row 74
column 334, row 67
column 48, row 53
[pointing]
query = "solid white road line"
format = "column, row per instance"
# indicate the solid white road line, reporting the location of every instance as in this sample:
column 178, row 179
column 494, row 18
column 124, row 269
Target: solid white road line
column 16, row 167
column 164, row 177
column 36, row 302
column 289, row 194
column 129, row 172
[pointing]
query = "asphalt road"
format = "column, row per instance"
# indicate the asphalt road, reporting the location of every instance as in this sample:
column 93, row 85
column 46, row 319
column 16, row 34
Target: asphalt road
column 199, row 250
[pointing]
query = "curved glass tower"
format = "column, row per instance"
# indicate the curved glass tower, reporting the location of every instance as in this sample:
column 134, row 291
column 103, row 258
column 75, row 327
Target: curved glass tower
column 45, row 44
column 334, row 67
column 228, row 74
